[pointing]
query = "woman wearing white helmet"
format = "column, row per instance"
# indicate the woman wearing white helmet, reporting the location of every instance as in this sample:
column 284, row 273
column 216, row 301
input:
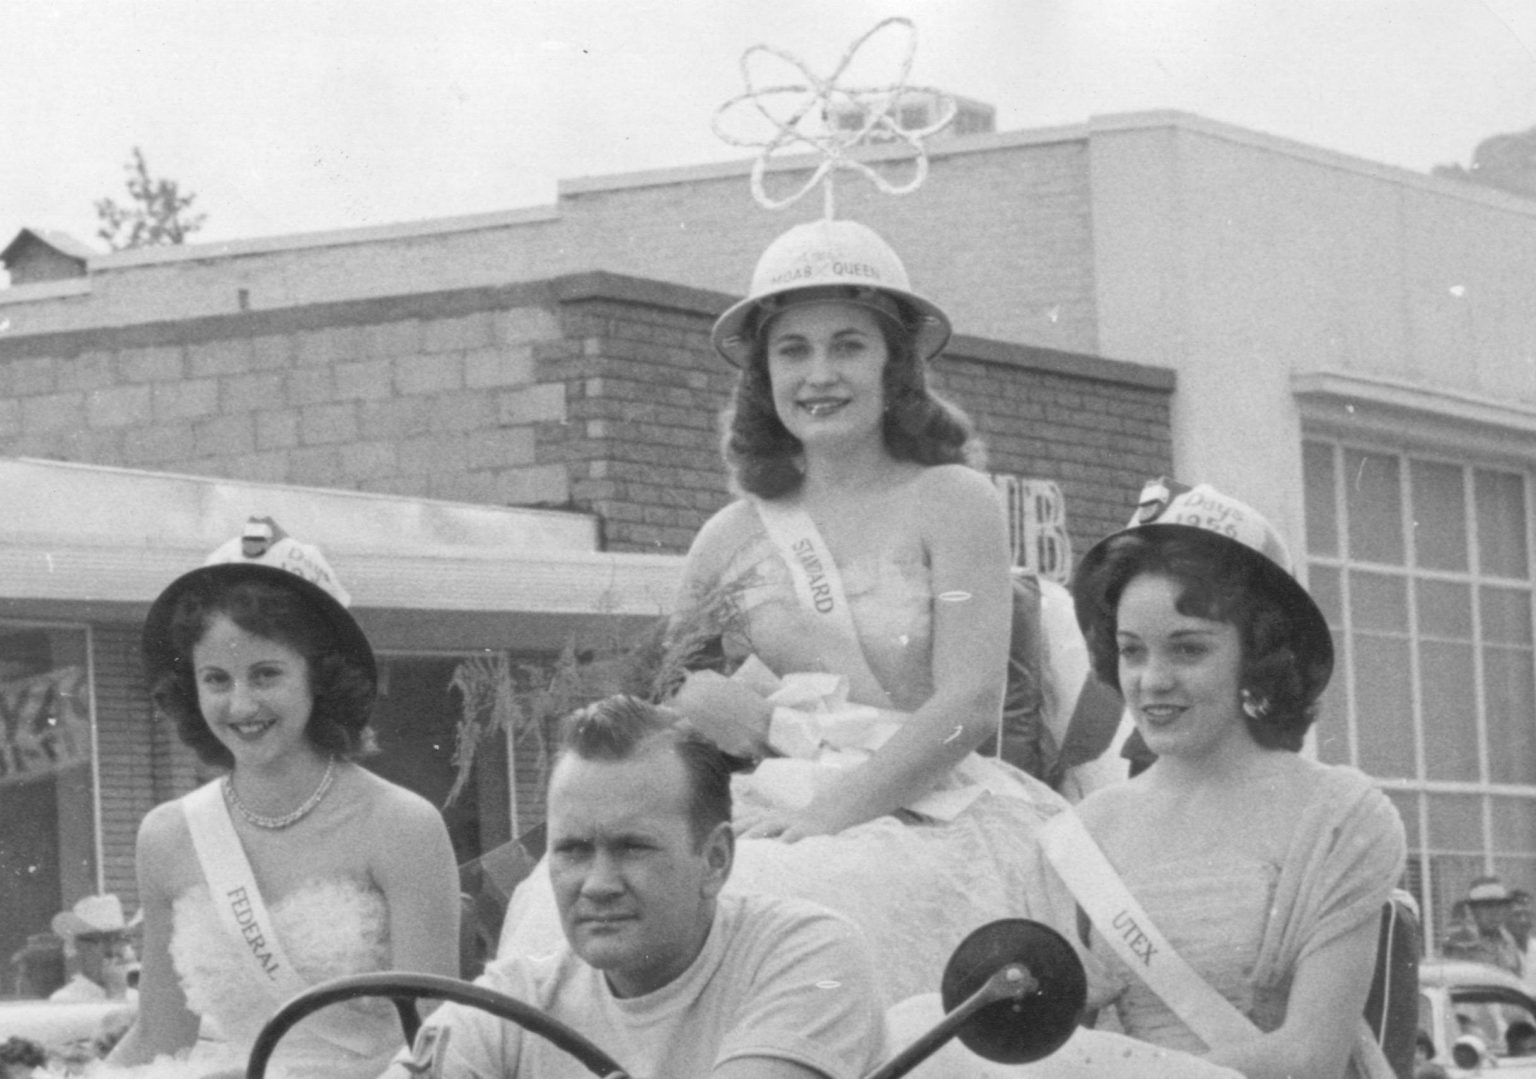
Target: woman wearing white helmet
column 866, row 575
column 1237, row 898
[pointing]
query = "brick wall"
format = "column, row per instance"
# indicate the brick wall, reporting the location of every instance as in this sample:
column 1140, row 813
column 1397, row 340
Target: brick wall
column 1054, row 416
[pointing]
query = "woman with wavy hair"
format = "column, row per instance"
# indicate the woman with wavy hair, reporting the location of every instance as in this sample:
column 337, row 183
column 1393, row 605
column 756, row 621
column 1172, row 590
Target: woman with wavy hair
column 297, row 864
column 1263, row 870
column 862, row 582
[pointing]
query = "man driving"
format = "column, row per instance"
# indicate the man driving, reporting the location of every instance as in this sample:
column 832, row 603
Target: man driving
column 668, row 977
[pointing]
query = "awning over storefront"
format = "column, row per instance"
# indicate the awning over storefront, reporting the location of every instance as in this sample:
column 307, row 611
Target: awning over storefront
column 97, row 544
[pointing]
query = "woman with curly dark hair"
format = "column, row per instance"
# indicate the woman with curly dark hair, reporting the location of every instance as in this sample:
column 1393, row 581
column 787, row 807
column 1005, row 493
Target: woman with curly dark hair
column 1263, row 869
column 297, row 865
column 865, row 571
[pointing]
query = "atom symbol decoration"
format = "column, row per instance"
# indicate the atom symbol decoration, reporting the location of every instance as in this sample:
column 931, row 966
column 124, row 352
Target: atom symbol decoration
column 805, row 122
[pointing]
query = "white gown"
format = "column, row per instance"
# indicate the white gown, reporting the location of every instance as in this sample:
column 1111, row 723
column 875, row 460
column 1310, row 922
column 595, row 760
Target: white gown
column 329, row 928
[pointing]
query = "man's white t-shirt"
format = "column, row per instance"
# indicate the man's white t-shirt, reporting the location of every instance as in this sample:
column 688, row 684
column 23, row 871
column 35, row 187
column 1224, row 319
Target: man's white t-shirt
column 780, row 978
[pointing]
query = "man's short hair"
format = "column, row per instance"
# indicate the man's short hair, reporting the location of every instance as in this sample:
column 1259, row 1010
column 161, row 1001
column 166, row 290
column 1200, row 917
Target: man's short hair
column 622, row 727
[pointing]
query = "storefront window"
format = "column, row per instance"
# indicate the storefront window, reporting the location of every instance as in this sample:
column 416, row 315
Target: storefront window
column 48, row 855
column 422, row 705
column 1423, row 567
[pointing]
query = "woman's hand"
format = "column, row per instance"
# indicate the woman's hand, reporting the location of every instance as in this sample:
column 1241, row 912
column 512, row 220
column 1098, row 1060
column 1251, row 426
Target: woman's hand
column 787, row 826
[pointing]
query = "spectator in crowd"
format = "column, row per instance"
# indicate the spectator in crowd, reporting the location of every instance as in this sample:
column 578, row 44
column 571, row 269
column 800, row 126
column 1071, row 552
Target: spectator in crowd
column 297, row 865
column 1519, row 926
column 656, row 967
column 1487, row 939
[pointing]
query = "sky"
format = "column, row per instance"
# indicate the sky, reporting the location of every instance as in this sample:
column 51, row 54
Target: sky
column 300, row 116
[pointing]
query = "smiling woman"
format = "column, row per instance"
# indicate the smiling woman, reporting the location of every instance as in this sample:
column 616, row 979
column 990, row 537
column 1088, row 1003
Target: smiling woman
column 863, row 586
column 1265, row 870
column 297, row 865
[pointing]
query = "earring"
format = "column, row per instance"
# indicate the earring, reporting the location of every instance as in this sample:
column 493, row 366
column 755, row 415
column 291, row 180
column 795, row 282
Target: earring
column 1254, row 706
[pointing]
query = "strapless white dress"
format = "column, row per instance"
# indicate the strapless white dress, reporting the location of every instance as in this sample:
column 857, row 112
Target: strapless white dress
column 329, row 928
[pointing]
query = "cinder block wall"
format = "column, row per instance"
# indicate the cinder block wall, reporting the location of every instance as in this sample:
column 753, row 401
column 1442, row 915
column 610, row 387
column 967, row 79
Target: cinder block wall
column 1000, row 234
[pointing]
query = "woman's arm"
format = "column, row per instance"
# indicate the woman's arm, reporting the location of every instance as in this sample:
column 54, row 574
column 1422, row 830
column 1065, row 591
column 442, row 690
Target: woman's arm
column 734, row 717
column 1322, row 1016
column 414, row 866
column 164, row 1023
column 966, row 536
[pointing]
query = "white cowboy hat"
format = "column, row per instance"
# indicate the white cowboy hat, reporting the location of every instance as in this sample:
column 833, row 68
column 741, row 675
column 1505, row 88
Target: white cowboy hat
column 93, row 915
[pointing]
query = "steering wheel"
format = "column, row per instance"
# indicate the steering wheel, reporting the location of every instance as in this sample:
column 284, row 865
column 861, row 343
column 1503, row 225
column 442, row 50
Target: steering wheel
column 404, row 990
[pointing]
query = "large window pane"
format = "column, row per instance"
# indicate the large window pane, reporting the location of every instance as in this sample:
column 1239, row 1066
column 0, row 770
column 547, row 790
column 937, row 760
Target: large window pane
column 1378, row 601
column 1323, row 583
column 1456, row 824
column 1322, row 520
column 1439, row 516
column 1446, row 678
column 1501, row 530
column 1330, row 734
column 1514, row 826
column 1510, row 701
column 1374, row 499
column 1384, row 708
column 1444, row 609
column 47, row 816
column 1506, row 615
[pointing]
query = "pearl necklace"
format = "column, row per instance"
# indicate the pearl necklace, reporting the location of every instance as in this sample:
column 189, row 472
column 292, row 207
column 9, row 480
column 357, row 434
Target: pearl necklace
column 276, row 824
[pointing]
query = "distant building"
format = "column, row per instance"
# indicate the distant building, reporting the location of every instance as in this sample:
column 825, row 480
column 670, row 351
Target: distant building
column 44, row 255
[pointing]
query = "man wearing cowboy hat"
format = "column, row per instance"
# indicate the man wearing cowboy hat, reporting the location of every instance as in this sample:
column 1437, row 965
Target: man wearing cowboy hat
column 1519, row 926
column 95, row 931
column 1488, row 940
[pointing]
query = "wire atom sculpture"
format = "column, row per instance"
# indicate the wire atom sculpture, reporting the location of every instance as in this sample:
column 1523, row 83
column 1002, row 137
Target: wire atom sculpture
column 805, row 125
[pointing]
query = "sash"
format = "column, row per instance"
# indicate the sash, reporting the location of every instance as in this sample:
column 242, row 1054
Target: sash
column 818, row 583
column 1082, row 866
column 244, row 915
column 235, row 894
column 1126, row 928
column 819, row 588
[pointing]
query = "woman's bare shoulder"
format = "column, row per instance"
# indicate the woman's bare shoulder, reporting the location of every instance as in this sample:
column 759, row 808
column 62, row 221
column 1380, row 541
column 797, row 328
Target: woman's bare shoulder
column 721, row 537
column 161, row 826
column 392, row 804
column 734, row 521
column 959, row 487
column 164, row 845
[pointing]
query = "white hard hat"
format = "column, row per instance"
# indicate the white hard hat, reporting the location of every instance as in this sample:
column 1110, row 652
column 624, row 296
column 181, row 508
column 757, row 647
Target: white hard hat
column 842, row 255
column 1166, row 509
